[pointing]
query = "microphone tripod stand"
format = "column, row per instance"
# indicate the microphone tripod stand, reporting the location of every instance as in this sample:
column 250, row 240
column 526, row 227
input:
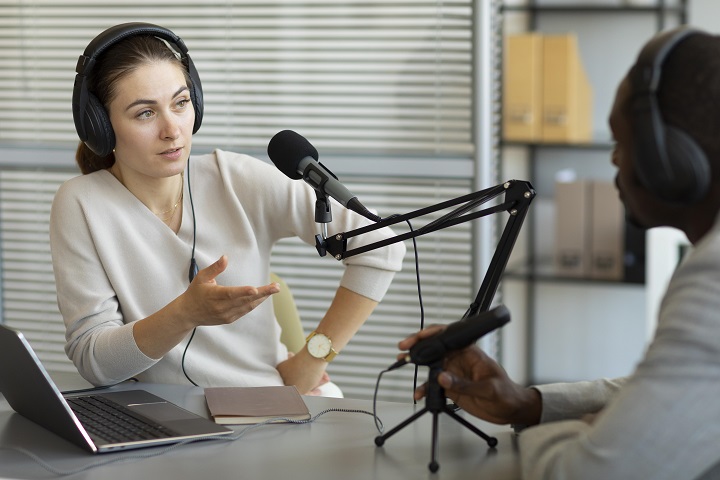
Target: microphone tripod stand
column 518, row 195
column 435, row 404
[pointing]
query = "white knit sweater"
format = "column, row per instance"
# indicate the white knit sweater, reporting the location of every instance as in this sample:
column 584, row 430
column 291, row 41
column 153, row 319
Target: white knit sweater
column 115, row 263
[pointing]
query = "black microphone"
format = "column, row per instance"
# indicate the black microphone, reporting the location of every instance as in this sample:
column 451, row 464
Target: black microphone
column 456, row 336
column 293, row 155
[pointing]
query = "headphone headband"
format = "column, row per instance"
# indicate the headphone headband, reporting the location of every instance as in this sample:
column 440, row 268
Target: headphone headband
column 91, row 119
column 653, row 55
column 668, row 161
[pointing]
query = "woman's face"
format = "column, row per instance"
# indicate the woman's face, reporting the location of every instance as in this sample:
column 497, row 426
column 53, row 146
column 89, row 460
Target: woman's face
column 152, row 117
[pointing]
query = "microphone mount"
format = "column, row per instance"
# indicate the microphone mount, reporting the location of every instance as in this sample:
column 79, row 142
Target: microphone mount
column 323, row 216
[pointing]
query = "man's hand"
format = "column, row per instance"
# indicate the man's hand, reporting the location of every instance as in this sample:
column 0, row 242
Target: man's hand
column 480, row 386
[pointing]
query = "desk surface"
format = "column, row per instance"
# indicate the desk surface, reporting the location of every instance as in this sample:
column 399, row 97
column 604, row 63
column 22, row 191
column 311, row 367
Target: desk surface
column 336, row 445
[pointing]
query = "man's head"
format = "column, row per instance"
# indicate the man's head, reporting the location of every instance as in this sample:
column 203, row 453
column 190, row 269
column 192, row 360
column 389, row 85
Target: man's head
column 668, row 137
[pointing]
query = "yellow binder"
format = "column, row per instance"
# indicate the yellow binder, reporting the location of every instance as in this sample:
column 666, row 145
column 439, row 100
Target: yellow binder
column 566, row 92
column 522, row 81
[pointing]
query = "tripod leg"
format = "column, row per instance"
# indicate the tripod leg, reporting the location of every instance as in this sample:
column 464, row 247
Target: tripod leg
column 433, row 465
column 491, row 441
column 380, row 439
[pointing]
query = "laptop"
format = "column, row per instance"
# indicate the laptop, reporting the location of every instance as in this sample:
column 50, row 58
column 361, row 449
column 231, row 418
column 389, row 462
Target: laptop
column 98, row 422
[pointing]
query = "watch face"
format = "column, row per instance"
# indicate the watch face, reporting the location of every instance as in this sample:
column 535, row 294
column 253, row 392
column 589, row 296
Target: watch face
column 319, row 346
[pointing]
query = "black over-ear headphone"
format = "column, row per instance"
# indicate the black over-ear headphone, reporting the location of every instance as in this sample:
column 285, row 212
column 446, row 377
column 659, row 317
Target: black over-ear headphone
column 91, row 119
column 668, row 162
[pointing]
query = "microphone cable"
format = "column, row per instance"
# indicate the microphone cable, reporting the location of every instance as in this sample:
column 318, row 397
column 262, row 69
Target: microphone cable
column 420, row 300
column 422, row 308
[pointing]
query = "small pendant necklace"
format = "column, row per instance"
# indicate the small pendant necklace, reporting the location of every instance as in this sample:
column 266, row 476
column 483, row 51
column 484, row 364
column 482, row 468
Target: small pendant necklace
column 169, row 214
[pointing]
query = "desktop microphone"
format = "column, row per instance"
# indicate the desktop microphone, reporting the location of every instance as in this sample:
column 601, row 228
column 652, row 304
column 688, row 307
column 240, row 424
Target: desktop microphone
column 456, row 336
column 293, row 155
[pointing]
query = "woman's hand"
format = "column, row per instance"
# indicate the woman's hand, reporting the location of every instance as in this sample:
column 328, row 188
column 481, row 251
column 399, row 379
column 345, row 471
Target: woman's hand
column 207, row 303
column 203, row 303
column 304, row 371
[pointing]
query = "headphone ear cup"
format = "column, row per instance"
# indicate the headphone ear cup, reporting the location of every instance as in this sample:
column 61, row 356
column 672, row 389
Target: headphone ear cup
column 197, row 101
column 196, row 94
column 690, row 167
column 100, row 137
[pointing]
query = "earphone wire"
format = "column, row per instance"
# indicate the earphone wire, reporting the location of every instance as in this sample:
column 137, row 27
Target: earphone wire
column 193, row 263
column 193, row 271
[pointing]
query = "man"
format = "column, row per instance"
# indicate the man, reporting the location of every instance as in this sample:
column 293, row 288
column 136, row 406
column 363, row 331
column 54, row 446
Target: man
column 662, row 422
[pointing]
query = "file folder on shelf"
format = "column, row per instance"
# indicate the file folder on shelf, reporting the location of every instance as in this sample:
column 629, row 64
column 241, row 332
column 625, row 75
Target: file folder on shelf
column 522, row 93
column 566, row 92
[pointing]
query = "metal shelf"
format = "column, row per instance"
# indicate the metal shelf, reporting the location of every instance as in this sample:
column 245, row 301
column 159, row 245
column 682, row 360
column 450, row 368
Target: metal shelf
column 595, row 145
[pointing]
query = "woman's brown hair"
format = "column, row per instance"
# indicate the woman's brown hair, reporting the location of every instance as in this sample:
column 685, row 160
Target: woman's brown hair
column 113, row 65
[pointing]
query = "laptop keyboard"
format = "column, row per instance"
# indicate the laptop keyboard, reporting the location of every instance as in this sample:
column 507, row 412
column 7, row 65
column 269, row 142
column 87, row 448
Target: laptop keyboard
column 114, row 422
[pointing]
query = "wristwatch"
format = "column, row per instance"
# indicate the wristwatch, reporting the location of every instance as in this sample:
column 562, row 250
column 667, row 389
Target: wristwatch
column 320, row 346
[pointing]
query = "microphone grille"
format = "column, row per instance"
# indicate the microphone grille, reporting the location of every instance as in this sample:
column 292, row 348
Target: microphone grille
column 286, row 149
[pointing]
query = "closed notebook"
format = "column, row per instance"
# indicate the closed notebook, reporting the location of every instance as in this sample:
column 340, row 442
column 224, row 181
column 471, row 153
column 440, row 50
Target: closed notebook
column 245, row 405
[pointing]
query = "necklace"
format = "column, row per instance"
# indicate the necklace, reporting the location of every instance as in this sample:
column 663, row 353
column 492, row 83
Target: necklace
column 168, row 214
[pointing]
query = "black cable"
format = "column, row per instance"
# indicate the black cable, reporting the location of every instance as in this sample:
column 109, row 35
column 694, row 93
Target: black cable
column 193, row 264
column 420, row 300
column 192, row 272
column 378, row 423
column 422, row 316
column 182, row 363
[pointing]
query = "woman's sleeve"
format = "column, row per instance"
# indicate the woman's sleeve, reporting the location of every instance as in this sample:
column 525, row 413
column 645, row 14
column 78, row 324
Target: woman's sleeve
column 98, row 342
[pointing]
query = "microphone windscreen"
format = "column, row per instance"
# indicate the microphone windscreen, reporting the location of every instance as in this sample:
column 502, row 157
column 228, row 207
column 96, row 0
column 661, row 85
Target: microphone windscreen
column 286, row 149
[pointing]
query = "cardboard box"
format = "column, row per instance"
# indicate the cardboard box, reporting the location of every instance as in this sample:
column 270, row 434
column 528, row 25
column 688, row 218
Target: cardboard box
column 607, row 232
column 572, row 239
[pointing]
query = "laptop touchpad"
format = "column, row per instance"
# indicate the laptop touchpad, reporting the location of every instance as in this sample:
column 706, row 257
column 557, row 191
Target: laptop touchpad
column 162, row 412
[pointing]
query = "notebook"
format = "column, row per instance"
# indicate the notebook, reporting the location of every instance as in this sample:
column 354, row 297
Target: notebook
column 244, row 405
column 141, row 418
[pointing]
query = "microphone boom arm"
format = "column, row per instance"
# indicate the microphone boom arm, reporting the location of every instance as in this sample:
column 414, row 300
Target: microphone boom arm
column 518, row 195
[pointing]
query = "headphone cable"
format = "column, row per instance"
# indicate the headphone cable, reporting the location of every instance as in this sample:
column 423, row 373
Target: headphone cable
column 191, row 273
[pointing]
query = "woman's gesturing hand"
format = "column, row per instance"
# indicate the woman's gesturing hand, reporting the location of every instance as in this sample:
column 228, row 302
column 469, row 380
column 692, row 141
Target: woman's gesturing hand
column 207, row 303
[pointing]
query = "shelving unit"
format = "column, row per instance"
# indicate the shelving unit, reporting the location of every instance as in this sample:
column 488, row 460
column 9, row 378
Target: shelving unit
column 660, row 8
column 528, row 272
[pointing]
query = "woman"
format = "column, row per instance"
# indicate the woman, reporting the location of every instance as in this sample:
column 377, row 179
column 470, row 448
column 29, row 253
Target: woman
column 124, row 235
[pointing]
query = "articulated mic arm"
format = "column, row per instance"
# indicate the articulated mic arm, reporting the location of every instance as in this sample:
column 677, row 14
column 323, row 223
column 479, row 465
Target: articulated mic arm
column 518, row 195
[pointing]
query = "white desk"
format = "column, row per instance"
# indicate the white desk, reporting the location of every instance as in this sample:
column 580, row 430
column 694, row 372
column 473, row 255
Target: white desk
column 336, row 446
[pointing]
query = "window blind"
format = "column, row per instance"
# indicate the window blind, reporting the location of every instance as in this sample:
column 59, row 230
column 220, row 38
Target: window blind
column 28, row 285
column 370, row 76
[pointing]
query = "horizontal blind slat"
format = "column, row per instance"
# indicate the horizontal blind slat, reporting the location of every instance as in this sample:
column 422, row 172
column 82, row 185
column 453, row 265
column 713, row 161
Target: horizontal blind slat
column 296, row 58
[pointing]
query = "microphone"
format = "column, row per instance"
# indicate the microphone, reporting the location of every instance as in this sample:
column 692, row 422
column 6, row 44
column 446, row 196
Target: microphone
column 293, row 155
column 456, row 336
